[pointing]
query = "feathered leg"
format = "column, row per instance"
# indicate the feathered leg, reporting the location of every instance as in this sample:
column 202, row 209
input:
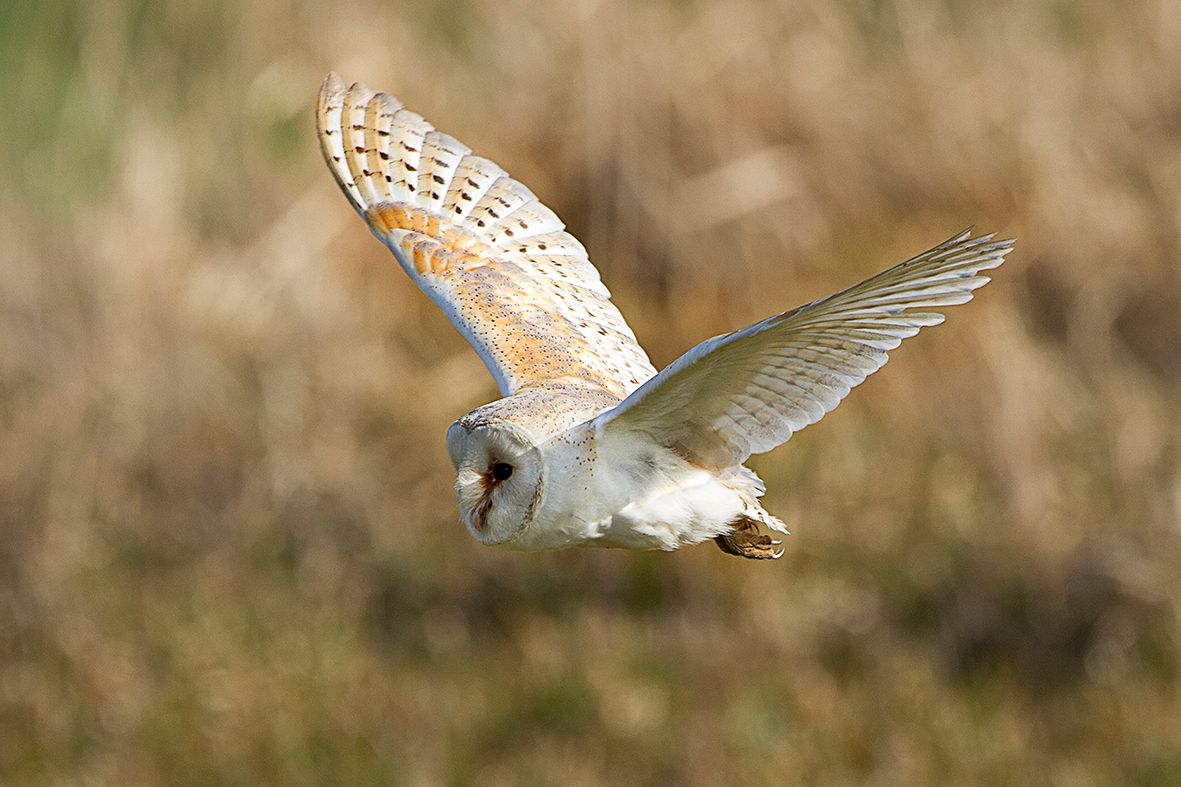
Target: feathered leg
column 745, row 540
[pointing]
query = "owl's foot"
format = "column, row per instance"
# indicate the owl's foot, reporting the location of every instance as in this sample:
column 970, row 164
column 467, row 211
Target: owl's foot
column 745, row 540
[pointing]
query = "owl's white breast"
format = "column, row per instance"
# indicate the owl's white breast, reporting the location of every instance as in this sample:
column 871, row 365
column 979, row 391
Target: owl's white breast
column 624, row 491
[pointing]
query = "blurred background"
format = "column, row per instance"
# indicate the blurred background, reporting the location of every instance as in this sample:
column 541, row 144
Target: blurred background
column 228, row 547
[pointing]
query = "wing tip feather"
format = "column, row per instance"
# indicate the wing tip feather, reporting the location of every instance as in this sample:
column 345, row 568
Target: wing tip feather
column 331, row 85
column 330, row 107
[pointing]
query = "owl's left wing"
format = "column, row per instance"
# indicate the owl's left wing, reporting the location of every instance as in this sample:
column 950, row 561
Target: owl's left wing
column 498, row 263
column 747, row 392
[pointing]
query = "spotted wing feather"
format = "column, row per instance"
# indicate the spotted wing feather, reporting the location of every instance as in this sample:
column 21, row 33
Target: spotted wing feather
column 496, row 260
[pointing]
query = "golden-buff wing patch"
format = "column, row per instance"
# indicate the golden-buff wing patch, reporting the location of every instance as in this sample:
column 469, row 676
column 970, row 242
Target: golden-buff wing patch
column 499, row 263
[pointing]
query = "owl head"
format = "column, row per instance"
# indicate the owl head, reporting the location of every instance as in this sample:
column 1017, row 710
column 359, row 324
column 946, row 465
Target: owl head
column 498, row 478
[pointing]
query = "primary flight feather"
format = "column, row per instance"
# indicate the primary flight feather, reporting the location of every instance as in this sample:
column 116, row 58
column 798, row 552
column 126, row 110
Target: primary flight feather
column 590, row 446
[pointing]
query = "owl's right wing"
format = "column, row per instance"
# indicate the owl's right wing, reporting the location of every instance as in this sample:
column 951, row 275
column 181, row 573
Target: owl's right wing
column 747, row 392
column 496, row 260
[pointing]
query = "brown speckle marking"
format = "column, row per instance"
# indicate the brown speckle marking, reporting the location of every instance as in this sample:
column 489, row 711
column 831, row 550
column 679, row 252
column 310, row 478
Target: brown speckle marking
column 480, row 512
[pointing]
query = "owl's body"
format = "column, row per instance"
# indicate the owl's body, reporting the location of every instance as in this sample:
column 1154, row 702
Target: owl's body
column 590, row 446
column 592, row 487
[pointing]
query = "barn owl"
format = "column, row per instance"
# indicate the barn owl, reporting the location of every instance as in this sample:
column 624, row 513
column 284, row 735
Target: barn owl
column 590, row 446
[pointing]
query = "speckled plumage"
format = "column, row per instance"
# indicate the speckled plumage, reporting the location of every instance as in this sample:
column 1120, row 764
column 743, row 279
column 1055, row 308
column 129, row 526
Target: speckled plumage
column 590, row 446
column 499, row 263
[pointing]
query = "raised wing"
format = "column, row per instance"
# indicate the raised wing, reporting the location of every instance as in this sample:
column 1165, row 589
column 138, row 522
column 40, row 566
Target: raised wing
column 481, row 245
column 747, row 392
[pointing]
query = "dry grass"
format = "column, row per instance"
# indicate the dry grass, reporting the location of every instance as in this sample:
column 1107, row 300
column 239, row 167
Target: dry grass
column 227, row 547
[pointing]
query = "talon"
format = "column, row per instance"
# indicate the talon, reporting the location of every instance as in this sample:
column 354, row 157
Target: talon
column 745, row 541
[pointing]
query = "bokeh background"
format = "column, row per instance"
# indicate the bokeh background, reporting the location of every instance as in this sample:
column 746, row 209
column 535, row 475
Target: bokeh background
column 228, row 547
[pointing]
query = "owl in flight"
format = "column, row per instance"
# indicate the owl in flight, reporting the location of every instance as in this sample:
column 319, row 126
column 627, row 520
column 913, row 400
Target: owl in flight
column 590, row 446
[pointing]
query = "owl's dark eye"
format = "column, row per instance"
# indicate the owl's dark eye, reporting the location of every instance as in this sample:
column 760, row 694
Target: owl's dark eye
column 501, row 471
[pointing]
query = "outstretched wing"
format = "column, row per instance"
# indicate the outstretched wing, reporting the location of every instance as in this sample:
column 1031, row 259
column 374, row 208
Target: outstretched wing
column 746, row 392
column 481, row 245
